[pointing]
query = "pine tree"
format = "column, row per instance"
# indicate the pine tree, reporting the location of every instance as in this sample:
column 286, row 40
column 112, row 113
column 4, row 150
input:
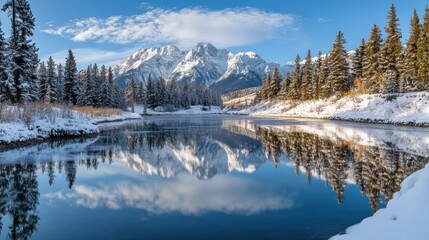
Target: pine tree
column 371, row 71
column 60, row 83
column 295, row 88
column 139, row 93
column 423, row 51
column 150, row 93
column 410, row 81
column 391, row 82
column 338, row 67
column 358, row 60
column 316, row 77
column 131, row 94
column 51, row 80
column 110, row 88
column 70, row 80
column 274, row 84
column 326, row 85
column 7, row 87
column 42, row 77
column 161, row 92
column 391, row 53
column 285, row 86
column 23, row 52
column 306, row 86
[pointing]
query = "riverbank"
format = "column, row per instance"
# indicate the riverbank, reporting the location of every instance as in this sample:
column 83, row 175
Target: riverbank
column 405, row 216
column 410, row 109
column 33, row 124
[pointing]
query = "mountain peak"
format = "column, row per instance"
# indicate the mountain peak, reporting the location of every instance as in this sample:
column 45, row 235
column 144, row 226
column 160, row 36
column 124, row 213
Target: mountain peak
column 203, row 65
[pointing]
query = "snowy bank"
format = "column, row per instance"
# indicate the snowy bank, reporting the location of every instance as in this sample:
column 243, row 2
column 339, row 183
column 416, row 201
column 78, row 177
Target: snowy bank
column 55, row 122
column 194, row 110
column 405, row 109
column 405, row 217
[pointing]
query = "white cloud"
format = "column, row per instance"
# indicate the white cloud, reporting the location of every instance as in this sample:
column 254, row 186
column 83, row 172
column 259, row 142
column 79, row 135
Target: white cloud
column 86, row 56
column 185, row 27
column 186, row 195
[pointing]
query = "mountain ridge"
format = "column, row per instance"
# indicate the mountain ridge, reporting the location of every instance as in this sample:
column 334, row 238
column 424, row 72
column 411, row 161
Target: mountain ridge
column 203, row 65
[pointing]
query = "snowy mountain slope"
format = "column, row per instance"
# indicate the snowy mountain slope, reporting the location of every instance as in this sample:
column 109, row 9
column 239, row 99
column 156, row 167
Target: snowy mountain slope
column 158, row 62
column 204, row 65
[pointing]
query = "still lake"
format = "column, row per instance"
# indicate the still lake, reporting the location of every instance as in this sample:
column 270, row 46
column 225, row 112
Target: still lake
column 206, row 177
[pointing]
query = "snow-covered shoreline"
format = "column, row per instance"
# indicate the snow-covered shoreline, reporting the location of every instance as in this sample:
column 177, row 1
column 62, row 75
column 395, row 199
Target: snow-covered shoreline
column 405, row 216
column 17, row 133
column 402, row 109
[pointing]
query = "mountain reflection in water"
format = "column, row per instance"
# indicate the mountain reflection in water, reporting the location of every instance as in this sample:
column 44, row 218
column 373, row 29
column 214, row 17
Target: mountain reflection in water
column 200, row 155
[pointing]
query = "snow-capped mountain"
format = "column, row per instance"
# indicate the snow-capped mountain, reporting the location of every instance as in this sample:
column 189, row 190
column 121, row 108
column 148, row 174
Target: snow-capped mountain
column 203, row 65
column 158, row 62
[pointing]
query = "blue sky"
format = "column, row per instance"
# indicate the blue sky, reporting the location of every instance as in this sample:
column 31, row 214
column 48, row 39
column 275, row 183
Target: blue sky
column 107, row 31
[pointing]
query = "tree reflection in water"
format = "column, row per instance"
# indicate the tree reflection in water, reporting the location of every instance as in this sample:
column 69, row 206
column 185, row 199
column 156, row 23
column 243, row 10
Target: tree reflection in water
column 378, row 171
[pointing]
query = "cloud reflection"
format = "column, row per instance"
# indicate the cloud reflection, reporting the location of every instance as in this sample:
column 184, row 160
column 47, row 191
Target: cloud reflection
column 185, row 194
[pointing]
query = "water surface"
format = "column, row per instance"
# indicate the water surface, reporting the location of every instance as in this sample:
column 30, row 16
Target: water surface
column 206, row 177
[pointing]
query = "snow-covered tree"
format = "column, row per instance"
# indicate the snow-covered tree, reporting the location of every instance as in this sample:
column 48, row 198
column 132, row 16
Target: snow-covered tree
column 338, row 66
column 410, row 82
column 423, row 51
column 274, row 87
column 7, row 86
column 307, row 70
column 22, row 51
column 42, row 79
column 358, row 60
column 371, row 68
column 295, row 87
column 51, row 80
column 131, row 94
column 391, row 53
column 71, row 89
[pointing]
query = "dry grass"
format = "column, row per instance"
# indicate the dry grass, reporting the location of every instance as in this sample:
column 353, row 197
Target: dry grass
column 26, row 112
column 31, row 111
column 98, row 112
column 357, row 89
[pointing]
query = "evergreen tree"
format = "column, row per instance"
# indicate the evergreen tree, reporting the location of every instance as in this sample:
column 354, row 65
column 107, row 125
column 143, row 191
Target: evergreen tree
column 70, row 80
column 139, row 93
column 110, row 88
column 161, row 92
column 295, row 88
column 131, row 94
column 306, row 86
column 391, row 52
column 358, row 60
column 316, row 77
column 51, row 80
column 338, row 67
column 7, row 86
column 23, row 52
column 326, row 86
column 42, row 76
column 371, row 69
column 423, row 51
column 286, row 86
column 410, row 81
column 150, row 93
column 60, row 83
column 274, row 87
column 391, row 82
